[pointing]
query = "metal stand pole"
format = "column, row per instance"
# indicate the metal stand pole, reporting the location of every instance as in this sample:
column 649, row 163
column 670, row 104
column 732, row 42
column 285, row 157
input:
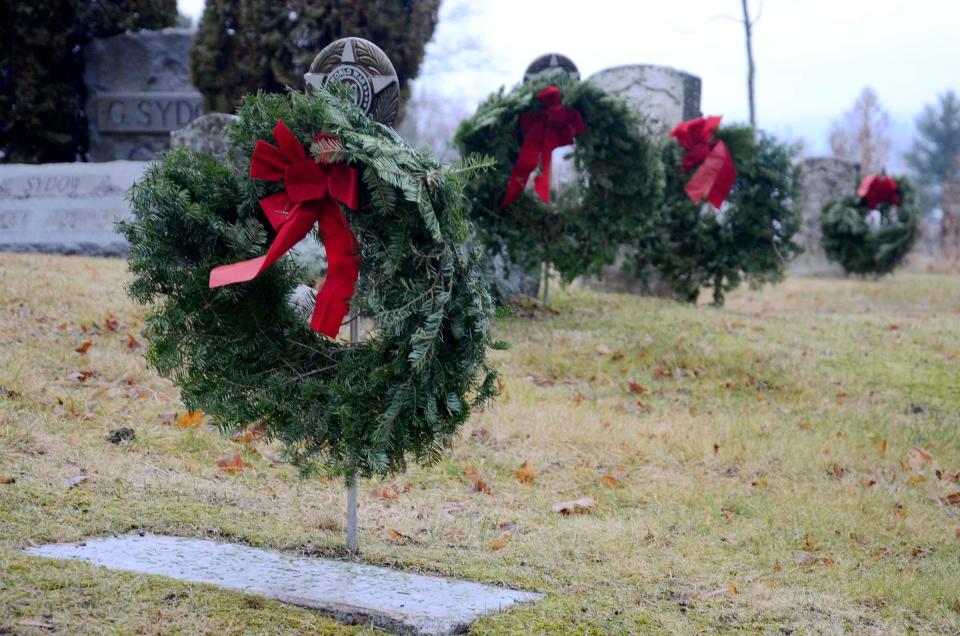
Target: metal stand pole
column 352, row 542
column 546, row 284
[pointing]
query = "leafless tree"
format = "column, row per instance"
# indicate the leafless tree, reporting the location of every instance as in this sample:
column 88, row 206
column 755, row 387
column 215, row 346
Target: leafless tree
column 861, row 134
column 748, row 23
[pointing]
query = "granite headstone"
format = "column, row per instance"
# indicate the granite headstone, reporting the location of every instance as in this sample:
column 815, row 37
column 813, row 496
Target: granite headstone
column 139, row 90
column 824, row 179
column 665, row 96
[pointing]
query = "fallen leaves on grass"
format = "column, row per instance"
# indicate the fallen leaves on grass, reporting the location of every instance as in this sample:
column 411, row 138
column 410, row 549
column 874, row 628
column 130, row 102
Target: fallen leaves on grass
column 881, row 446
column 953, row 499
column 233, row 464
column 84, row 375
column 133, row 343
column 249, row 435
column 83, row 348
column 636, row 389
column 398, row 537
column 808, row 544
column 526, row 473
column 920, row 458
column 479, row 485
column 726, row 590
column 583, row 504
column 7, row 479
column 610, row 481
column 190, row 419
column 805, row 426
column 386, row 492
column 500, row 542
column 541, row 381
column 603, row 350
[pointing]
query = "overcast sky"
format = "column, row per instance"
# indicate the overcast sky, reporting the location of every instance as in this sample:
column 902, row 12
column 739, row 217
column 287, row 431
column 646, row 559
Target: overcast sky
column 813, row 56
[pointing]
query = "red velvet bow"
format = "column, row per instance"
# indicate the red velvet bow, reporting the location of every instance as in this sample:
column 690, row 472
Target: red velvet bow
column 877, row 189
column 716, row 174
column 544, row 130
column 310, row 195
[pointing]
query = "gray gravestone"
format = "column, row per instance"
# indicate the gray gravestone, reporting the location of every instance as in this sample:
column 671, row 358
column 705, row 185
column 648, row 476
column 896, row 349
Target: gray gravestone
column 401, row 602
column 824, row 179
column 665, row 96
column 66, row 208
column 204, row 134
column 139, row 90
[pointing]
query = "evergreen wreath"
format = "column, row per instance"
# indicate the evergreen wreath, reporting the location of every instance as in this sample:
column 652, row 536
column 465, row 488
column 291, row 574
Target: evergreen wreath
column 866, row 243
column 619, row 179
column 750, row 237
column 245, row 355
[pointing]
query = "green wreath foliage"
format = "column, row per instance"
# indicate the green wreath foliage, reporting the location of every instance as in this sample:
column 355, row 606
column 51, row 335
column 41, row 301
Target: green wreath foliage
column 243, row 355
column 696, row 246
column 619, row 180
column 861, row 247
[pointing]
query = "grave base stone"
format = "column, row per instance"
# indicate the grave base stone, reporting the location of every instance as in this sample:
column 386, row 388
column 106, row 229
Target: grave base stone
column 204, row 134
column 354, row 593
column 65, row 208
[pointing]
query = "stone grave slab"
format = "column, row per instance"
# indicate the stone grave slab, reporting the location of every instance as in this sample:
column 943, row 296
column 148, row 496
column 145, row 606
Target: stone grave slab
column 397, row 601
column 66, row 208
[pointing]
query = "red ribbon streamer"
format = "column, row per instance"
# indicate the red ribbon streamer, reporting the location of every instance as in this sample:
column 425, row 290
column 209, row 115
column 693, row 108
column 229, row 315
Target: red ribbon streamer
column 545, row 130
column 310, row 195
column 717, row 173
column 877, row 189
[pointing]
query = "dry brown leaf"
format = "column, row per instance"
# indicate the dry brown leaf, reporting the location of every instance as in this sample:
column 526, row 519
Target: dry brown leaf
column 900, row 511
column 583, row 504
column 808, row 544
column 838, row 471
column 132, row 342
column 913, row 480
column 480, row 485
column 83, row 348
column 471, row 471
column 578, row 398
column 385, row 492
column 956, row 532
column 541, row 381
column 189, row 419
column 501, row 542
column 881, row 446
column 7, row 479
column 249, row 435
column 952, row 499
column 919, row 458
column 760, row 483
column 610, row 481
column 112, row 324
column 526, row 473
column 637, row 389
column 75, row 438
column 806, row 426
column 777, row 567
column 84, row 375
column 233, row 464
column 398, row 537
column 481, row 434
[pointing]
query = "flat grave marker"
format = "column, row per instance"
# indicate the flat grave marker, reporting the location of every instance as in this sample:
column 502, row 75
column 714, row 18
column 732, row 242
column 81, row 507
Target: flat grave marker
column 357, row 593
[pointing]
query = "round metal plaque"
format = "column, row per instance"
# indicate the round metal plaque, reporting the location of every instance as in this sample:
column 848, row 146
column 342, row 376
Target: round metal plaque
column 364, row 67
column 549, row 62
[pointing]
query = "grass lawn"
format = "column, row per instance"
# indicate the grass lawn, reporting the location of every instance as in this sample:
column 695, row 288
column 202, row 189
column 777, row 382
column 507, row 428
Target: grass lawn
column 753, row 467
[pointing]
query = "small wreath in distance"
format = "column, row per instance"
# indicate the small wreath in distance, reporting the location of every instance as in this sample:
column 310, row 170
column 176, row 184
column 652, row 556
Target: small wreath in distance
column 619, row 178
column 244, row 355
column 873, row 231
